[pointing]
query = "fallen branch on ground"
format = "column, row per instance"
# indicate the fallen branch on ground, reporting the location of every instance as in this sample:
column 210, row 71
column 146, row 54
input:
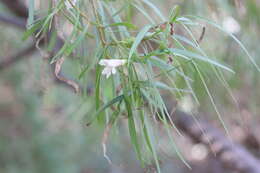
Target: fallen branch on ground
column 232, row 156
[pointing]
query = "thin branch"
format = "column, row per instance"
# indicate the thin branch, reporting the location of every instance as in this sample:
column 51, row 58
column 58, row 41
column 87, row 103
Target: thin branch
column 17, row 22
column 20, row 10
column 8, row 61
column 100, row 29
column 57, row 70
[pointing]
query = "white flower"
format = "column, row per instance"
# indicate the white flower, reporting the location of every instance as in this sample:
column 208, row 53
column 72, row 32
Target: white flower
column 110, row 65
column 231, row 25
column 68, row 4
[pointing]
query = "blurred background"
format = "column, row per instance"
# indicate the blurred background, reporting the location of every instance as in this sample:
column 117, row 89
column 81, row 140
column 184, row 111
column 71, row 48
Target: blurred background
column 43, row 126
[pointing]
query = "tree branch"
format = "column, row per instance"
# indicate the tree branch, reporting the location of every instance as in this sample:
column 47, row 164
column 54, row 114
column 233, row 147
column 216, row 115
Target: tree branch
column 17, row 22
column 20, row 10
column 233, row 156
column 17, row 7
column 8, row 61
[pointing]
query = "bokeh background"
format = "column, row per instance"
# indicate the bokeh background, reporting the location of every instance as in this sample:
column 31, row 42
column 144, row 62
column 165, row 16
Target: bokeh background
column 43, row 126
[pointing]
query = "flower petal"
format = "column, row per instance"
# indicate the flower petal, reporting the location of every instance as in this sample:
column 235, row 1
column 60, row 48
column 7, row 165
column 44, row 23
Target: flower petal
column 114, row 70
column 110, row 65
column 106, row 70
column 116, row 62
column 112, row 62
column 108, row 74
column 103, row 62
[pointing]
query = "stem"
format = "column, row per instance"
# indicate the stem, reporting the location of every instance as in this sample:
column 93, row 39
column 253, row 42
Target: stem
column 81, row 13
column 100, row 29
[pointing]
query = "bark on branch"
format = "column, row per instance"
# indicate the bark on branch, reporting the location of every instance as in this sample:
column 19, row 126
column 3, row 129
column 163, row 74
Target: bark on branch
column 233, row 156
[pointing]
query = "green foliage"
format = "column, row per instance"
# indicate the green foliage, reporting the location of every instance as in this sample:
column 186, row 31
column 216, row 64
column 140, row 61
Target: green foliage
column 146, row 53
column 160, row 61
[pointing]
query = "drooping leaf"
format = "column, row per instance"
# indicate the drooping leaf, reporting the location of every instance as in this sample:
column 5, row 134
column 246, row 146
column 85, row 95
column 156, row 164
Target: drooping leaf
column 138, row 40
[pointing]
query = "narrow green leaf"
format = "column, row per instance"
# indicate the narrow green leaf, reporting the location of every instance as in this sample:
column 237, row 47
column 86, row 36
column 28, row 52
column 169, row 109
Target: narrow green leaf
column 185, row 40
column 146, row 135
column 97, row 89
column 232, row 36
column 32, row 30
column 83, row 71
column 132, row 128
column 148, row 140
column 155, row 9
column 212, row 100
column 110, row 103
column 76, row 42
column 138, row 40
column 186, row 53
column 161, row 85
column 144, row 13
column 126, row 24
column 89, row 35
column 31, row 13
column 174, row 13
column 120, row 10
column 167, row 67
